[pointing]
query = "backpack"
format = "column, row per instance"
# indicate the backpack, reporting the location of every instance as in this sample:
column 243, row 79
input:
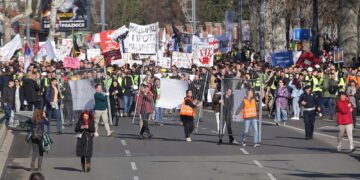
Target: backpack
column 333, row 89
column 37, row 132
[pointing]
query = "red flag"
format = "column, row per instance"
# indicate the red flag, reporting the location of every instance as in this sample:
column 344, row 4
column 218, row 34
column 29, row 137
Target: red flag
column 36, row 47
column 307, row 59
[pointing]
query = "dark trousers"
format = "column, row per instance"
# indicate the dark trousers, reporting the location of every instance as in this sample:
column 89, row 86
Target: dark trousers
column 228, row 120
column 309, row 120
column 188, row 123
column 85, row 159
column 354, row 117
column 145, row 126
column 37, row 153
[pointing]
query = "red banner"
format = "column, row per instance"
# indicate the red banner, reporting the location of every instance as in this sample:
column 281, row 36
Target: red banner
column 110, row 49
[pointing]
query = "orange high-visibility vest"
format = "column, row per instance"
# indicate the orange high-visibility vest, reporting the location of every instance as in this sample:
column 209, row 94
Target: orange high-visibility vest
column 249, row 109
column 186, row 110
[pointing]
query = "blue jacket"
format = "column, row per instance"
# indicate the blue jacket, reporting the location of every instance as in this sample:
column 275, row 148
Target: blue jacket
column 295, row 92
column 49, row 95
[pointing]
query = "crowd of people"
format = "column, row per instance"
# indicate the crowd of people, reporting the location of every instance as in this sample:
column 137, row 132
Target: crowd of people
column 327, row 90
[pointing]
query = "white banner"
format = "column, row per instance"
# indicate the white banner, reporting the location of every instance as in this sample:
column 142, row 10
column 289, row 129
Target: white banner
column 91, row 53
column 7, row 51
column 173, row 93
column 181, row 60
column 82, row 93
column 164, row 62
column 142, row 39
column 203, row 51
column 47, row 49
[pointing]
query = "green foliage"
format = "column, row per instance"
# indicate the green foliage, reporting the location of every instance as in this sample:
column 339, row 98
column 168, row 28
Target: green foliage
column 126, row 12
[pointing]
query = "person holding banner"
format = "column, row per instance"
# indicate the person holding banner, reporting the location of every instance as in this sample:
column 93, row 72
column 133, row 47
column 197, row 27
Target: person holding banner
column 187, row 113
column 101, row 110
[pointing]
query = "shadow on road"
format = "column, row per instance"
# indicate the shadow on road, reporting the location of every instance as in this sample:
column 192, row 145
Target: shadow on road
column 19, row 168
column 67, row 169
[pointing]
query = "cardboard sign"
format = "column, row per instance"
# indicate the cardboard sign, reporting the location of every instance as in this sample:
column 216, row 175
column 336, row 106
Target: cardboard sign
column 71, row 62
column 142, row 39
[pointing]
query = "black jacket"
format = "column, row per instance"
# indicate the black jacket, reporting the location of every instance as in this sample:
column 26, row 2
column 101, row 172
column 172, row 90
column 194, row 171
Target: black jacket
column 84, row 145
column 8, row 95
column 31, row 93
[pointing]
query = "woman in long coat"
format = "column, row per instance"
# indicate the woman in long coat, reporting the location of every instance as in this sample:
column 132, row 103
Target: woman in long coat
column 85, row 128
column 116, row 101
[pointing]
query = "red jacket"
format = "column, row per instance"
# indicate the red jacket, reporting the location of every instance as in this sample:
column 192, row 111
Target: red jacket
column 144, row 103
column 343, row 112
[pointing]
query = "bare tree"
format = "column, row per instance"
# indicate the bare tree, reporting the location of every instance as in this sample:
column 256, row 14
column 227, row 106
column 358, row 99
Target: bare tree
column 279, row 24
column 7, row 21
column 349, row 28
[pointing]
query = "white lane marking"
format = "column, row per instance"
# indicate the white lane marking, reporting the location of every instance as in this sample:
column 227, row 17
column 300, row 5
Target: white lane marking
column 133, row 166
column 203, row 128
column 258, row 163
column 214, row 131
column 316, row 133
column 271, row 176
column 136, row 177
column 206, row 110
column 123, row 142
column 127, row 152
column 244, row 151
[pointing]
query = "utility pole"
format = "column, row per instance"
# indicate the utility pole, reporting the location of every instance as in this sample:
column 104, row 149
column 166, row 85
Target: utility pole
column 194, row 16
column 262, row 30
column 240, row 24
column 27, row 21
column 102, row 18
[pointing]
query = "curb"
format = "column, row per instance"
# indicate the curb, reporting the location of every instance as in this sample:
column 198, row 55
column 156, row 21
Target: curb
column 6, row 139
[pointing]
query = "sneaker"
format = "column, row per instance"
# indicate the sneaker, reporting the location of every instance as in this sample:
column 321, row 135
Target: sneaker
column 257, row 145
column 339, row 148
column 352, row 148
column 188, row 139
column 110, row 133
column 235, row 142
column 243, row 144
column 96, row 134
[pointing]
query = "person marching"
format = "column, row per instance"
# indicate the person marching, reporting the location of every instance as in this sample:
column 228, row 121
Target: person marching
column 187, row 113
column 101, row 110
column 310, row 103
column 144, row 108
column 38, row 122
column 85, row 129
column 344, row 109
column 249, row 114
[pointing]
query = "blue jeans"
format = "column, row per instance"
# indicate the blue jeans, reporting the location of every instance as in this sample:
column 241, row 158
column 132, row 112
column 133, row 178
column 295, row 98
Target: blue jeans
column 296, row 106
column 49, row 113
column 127, row 104
column 329, row 102
column 281, row 115
column 247, row 124
column 7, row 110
column 159, row 114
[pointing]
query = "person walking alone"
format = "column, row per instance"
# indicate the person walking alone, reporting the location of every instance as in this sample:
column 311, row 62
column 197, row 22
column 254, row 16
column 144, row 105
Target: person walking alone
column 101, row 110
column 344, row 109
column 310, row 103
column 187, row 113
column 38, row 122
column 144, row 108
column 85, row 129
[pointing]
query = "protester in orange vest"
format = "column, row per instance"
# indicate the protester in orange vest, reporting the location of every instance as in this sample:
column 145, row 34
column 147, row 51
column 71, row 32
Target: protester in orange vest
column 187, row 113
column 248, row 112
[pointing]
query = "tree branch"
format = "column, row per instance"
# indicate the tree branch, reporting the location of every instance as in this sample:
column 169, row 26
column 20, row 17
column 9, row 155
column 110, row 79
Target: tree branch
column 27, row 12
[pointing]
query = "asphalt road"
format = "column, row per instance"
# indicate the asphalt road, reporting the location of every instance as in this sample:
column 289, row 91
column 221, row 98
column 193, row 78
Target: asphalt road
column 284, row 154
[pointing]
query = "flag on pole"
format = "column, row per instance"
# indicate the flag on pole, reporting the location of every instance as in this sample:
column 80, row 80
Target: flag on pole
column 47, row 50
column 7, row 51
column 75, row 51
column 29, row 55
